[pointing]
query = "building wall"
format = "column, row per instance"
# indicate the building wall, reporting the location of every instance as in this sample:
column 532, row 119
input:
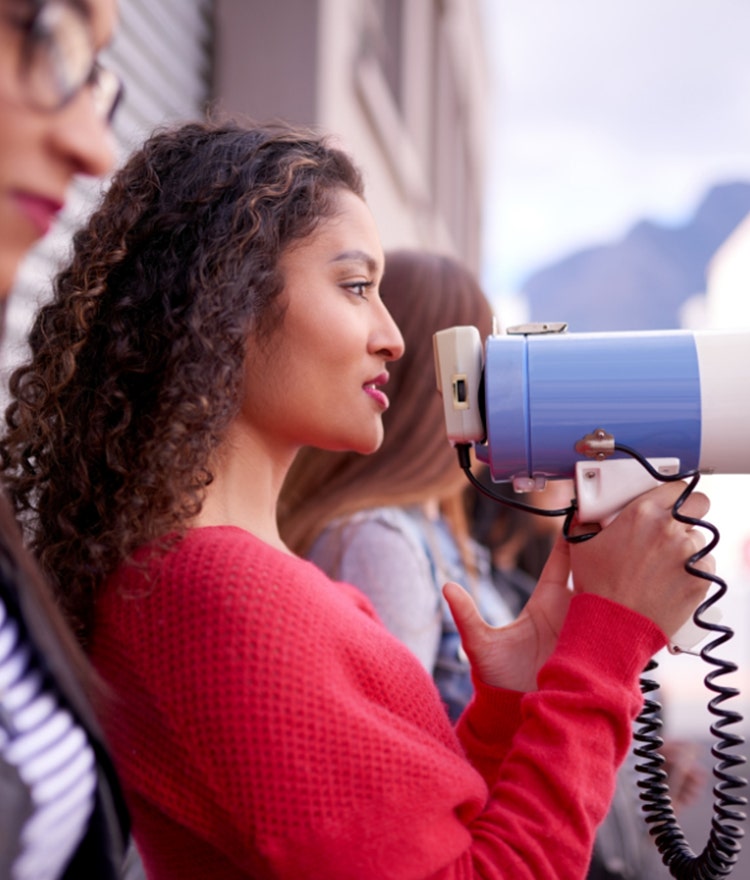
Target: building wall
column 402, row 83
column 266, row 56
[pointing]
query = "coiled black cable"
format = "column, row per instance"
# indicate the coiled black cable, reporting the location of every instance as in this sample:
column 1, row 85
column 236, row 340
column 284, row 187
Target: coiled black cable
column 723, row 846
column 724, row 842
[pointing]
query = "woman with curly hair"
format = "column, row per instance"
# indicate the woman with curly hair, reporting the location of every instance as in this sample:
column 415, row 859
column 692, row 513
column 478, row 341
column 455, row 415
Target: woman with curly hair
column 62, row 814
column 221, row 311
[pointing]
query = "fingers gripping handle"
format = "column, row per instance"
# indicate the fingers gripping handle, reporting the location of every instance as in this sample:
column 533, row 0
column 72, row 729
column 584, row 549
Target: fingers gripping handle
column 603, row 488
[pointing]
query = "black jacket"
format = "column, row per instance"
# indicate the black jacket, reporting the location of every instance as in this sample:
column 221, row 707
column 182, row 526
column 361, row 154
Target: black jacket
column 101, row 852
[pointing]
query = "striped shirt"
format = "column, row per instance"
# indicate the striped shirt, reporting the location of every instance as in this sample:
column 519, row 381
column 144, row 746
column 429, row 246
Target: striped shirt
column 52, row 755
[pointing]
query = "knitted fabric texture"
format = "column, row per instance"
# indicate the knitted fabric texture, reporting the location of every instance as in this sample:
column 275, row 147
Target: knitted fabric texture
column 265, row 724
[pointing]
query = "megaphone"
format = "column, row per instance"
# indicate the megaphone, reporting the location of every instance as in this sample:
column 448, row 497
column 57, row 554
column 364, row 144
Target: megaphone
column 540, row 403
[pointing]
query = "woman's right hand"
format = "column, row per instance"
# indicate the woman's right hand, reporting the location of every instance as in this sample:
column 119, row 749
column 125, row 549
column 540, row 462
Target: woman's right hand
column 639, row 559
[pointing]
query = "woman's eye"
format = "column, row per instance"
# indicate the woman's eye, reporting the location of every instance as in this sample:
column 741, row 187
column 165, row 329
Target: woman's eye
column 359, row 288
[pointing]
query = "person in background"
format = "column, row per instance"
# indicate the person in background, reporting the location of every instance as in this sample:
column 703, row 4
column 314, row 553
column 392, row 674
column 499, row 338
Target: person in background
column 61, row 810
column 519, row 543
column 221, row 311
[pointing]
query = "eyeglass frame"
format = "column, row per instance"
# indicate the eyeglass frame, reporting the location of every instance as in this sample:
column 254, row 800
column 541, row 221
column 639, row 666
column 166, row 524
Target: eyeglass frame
column 97, row 73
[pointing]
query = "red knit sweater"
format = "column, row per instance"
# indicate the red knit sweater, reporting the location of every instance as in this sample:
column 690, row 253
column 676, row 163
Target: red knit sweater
column 265, row 724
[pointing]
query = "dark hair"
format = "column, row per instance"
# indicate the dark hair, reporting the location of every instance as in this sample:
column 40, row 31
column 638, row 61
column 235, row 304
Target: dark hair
column 137, row 362
column 424, row 292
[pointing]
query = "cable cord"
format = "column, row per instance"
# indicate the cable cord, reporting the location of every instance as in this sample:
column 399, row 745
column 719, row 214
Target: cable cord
column 722, row 849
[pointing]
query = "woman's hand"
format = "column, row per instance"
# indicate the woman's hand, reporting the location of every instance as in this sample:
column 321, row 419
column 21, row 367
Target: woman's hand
column 510, row 656
column 637, row 560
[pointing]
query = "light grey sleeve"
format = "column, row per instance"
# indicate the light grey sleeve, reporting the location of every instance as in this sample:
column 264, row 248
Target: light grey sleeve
column 379, row 553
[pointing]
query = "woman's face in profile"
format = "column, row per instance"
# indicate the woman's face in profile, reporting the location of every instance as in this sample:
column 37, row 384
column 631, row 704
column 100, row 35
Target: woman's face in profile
column 323, row 379
column 41, row 149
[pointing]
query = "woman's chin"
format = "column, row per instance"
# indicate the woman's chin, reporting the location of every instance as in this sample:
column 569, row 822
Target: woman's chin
column 375, row 444
column 366, row 446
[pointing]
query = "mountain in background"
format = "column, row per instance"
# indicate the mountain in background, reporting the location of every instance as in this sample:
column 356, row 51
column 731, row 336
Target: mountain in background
column 641, row 281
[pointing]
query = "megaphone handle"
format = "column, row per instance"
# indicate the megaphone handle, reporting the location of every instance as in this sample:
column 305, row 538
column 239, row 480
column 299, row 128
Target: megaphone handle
column 603, row 488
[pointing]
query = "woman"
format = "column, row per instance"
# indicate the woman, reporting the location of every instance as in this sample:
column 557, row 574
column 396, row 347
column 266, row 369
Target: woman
column 394, row 523
column 61, row 812
column 220, row 311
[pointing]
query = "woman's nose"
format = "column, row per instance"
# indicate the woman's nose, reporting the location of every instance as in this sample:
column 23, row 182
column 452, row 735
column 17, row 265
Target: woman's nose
column 390, row 342
column 83, row 137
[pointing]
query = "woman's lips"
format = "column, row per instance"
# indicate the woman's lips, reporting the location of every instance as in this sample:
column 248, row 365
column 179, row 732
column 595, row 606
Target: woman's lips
column 40, row 210
column 372, row 389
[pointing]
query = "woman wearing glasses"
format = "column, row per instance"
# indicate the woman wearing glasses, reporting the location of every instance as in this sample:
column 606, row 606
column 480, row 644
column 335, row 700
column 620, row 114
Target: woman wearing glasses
column 61, row 813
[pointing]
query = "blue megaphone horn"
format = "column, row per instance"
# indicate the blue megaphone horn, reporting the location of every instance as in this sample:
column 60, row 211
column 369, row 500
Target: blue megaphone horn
column 540, row 403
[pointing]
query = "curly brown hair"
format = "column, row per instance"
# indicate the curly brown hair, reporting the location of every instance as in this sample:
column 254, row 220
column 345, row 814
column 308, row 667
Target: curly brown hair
column 136, row 364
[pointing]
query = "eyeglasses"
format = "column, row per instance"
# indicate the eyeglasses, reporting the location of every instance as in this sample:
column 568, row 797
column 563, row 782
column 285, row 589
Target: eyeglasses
column 58, row 60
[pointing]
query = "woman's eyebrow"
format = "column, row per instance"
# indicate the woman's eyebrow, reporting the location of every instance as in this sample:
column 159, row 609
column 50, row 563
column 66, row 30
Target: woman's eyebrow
column 356, row 256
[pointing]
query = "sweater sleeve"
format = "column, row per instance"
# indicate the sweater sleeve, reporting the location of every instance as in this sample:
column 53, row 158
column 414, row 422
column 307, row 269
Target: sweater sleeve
column 487, row 726
column 270, row 715
column 573, row 735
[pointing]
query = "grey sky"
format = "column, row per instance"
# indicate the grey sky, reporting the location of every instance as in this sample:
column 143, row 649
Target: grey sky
column 608, row 112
